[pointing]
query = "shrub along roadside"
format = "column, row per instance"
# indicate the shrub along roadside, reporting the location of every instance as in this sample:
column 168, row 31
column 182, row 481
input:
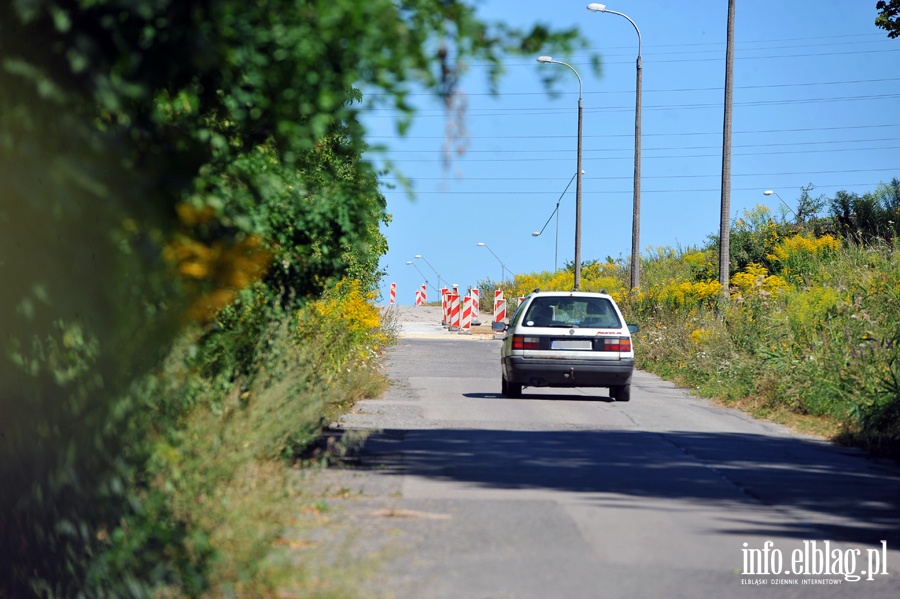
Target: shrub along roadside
column 809, row 336
column 141, row 190
column 257, row 391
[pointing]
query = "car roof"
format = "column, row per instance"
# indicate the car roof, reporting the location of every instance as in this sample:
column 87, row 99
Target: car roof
column 569, row 294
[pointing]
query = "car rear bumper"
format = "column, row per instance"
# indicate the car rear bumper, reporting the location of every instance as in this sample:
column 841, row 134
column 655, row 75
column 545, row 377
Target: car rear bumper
column 534, row 372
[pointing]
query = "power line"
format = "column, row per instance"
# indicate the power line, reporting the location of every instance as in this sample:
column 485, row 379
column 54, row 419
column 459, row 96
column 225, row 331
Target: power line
column 474, row 113
column 493, row 193
column 652, row 159
column 655, row 91
column 779, row 57
column 719, row 46
column 610, row 178
column 678, row 134
column 543, row 151
column 540, row 153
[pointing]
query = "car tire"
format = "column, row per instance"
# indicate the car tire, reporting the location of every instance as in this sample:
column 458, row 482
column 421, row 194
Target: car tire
column 621, row 393
column 510, row 390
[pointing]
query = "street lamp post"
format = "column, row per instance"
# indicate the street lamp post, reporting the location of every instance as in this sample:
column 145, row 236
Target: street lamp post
column 636, row 208
column 410, row 263
column 556, row 212
column 549, row 60
column 503, row 268
column 769, row 192
column 421, row 257
column 556, row 250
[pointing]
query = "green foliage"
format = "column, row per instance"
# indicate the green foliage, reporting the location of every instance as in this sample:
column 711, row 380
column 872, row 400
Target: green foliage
column 809, row 332
column 754, row 237
column 816, row 339
column 809, row 208
column 879, row 418
column 889, row 16
column 83, row 313
column 223, row 466
column 348, row 304
column 868, row 217
column 165, row 162
column 236, row 342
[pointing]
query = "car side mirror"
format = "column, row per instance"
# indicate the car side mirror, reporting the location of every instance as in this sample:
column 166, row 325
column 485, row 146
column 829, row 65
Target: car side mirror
column 498, row 327
column 633, row 328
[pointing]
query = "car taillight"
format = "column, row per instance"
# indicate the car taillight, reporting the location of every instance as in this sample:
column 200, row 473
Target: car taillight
column 523, row 342
column 622, row 344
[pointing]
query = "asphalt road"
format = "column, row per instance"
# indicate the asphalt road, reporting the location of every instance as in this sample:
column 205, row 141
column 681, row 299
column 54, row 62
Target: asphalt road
column 565, row 493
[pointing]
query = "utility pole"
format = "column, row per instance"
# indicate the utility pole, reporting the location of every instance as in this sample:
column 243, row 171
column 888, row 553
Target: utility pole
column 725, row 216
column 549, row 60
column 636, row 204
column 577, row 284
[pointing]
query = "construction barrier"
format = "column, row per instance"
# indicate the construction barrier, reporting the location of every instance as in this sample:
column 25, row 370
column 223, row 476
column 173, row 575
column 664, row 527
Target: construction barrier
column 475, row 299
column 466, row 320
column 454, row 312
column 424, row 293
column 499, row 311
column 393, row 293
column 419, row 299
column 445, row 306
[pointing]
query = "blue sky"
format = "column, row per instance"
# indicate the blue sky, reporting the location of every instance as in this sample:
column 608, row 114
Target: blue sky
column 816, row 101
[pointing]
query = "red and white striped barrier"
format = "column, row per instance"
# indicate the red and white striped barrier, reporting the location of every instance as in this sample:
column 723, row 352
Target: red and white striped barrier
column 420, row 297
column 466, row 319
column 454, row 312
column 500, row 310
column 424, row 293
column 444, row 306
column 393, row 293
column 475, row 299
column 498, row 295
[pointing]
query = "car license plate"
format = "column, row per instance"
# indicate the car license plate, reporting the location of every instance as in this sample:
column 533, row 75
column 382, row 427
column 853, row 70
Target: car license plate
column 571, row 344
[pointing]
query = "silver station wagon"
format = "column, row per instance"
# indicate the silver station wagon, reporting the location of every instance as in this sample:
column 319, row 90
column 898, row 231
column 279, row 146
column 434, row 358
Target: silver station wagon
column 568, row 339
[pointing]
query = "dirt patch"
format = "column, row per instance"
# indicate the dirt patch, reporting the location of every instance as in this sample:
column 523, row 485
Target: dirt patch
column 416, row 313
column 419, row 316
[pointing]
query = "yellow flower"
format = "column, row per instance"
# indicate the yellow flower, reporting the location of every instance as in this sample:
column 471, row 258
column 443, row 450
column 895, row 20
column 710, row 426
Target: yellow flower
column 700, row 336
column 756, row 280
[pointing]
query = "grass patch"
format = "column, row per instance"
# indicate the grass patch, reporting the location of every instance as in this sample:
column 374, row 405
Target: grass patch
column 808, row 336
column 259, row 392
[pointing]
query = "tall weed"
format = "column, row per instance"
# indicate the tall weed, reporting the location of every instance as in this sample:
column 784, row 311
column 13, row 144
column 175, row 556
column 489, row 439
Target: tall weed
column 258, row 403
column 808, row 334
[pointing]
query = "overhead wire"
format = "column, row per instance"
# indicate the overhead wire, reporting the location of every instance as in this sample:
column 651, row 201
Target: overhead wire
column 694, row 50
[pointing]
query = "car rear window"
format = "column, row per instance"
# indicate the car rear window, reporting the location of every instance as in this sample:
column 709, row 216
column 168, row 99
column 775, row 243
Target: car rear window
column 572, row 312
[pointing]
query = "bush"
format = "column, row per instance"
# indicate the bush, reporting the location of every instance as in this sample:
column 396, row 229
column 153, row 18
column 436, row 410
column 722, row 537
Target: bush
column 808, row 334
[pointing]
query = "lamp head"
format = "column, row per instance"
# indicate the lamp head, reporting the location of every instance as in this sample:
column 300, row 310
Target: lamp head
column 408, row 262
column 536, row 234
column 418, row 255
column 480, row 244
column 768, row 192
column 544, row 59
column 596, row 7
